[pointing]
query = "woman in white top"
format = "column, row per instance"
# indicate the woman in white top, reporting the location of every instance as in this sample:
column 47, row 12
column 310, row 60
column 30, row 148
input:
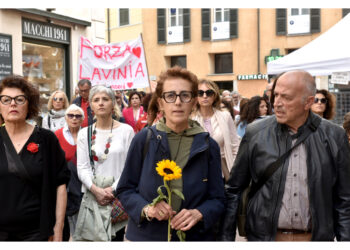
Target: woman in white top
column 57, row 105
column 110, row 142
column 218, row 123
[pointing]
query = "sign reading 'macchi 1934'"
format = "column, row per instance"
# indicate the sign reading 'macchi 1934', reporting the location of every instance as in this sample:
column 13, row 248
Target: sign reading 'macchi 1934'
column 252, row 77
column 45, row 31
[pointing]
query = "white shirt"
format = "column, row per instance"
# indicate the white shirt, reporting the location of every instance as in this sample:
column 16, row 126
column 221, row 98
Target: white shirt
column 68, row 135
column 114, row 164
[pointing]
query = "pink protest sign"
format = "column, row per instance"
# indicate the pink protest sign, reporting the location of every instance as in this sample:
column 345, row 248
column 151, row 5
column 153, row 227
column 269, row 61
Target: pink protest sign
column 116, row 65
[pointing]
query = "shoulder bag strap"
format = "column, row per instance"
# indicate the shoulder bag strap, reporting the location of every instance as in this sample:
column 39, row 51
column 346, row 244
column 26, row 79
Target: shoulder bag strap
column 18, row 166
column 274, row 166
column 145, row 148
column 89, row 133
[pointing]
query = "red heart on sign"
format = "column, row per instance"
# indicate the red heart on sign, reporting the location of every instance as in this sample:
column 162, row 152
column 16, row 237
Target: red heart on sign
column 129, row 84
column 137, row 51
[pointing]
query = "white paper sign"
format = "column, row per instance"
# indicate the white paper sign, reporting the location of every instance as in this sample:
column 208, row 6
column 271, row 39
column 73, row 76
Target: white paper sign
column 116, row 65
column 340, row 77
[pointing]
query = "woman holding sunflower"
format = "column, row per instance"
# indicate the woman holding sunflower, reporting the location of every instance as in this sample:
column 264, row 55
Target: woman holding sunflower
column 180, row 159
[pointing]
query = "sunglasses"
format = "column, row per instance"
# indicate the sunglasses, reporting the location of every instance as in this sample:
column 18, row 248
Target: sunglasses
column 56, row 99
column 208, row 92
column 71, row 116
column 322, row 100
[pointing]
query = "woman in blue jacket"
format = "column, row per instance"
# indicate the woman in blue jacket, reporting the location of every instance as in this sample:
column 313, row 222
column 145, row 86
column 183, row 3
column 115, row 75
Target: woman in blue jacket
column 182, row 140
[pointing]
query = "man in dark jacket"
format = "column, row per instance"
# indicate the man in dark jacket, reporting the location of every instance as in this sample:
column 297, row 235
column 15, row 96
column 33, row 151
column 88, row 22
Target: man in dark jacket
column 82, row 101
column 308, row 196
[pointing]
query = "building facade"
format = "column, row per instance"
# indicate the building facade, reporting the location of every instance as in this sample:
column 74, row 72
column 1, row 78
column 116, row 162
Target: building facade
column 42, row 45
column 228, row 46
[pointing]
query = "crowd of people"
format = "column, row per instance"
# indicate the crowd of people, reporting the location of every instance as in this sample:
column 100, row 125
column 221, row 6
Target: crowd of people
column 93, row 168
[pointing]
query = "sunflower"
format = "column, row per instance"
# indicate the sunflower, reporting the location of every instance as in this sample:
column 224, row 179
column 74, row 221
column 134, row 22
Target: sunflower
column 169, row 170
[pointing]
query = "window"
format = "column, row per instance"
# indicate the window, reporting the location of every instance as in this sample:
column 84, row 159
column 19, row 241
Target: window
column 123, row 17
column 178, row 60
column 45, row 66
column 225, row 85
column 298, row 21
column 175, row 17
column 221, row 24
column 175, row 26
column 221, row 15
column 223, row 63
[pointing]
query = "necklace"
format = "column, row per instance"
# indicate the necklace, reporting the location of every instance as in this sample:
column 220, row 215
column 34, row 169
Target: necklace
column 108, row 145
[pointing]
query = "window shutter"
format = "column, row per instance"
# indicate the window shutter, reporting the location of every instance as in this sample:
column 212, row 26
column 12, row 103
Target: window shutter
column 187, row 25
column 345, row 12
column 281, row 22
column 206, row 25
column 315, row 26
column 233, row 23
column 161, row 24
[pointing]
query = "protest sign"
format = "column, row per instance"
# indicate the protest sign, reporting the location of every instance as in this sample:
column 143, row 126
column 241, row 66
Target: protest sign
column 116, row 65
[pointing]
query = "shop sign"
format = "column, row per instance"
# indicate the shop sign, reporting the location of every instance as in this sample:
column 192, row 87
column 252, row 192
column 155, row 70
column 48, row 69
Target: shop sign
column 117, row 65
column 340, row 78
column 252, row 77
column 274, row 55
column 5, row 55
column 45, row 31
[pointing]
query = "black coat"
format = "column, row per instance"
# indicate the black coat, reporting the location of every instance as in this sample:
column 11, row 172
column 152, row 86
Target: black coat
column 328, row 170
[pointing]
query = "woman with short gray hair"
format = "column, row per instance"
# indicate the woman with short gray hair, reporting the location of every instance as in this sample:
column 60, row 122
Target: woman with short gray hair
column 102, row 150
column 67, row 137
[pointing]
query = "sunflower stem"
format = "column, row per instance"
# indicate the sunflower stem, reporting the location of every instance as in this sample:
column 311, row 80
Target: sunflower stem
column 169, row 202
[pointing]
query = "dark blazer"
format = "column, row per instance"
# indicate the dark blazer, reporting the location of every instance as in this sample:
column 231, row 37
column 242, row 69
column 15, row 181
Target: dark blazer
column 203, row 186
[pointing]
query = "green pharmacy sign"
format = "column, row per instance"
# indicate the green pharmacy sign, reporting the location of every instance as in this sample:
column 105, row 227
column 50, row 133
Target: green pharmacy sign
column 274, row 55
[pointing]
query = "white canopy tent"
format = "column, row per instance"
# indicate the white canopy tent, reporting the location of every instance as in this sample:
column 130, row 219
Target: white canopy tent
column 328, row 53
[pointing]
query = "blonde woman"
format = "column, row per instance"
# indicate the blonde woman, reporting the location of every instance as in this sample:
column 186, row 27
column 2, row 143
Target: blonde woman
column 218, row 123
column 57, row 105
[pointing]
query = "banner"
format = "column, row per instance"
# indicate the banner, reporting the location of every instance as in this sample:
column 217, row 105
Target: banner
column 116, row 65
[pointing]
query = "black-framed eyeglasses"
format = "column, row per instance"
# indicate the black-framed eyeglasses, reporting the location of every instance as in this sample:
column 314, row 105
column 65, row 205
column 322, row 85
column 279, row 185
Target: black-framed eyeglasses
column 71, row 116
column 19, row 100
column 208, row 92
column 171, row 96
column 58, row 99
column 322, row 100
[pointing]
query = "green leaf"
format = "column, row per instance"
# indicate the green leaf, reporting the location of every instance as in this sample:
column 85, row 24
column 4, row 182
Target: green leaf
column 159, row 191
column 178, row 193
column 156, row 200
column 181, row 235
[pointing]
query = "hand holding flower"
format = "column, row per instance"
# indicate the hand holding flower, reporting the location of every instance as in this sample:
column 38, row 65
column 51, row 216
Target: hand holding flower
column 161, row 211
column 169, row 171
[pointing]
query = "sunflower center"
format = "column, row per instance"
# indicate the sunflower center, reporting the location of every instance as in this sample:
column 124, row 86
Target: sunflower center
column 168, row 171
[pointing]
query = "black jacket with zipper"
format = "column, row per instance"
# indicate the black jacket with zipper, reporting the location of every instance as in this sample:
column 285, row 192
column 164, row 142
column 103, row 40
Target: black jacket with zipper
column 328, row 173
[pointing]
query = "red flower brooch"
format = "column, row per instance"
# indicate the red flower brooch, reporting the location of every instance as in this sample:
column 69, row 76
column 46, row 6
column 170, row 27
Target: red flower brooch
column 33, row 147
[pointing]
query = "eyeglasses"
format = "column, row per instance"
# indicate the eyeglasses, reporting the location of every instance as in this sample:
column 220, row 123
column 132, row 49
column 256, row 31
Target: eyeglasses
column 19, row 100
column 208, row 93
column 322, row 100
column 58, row 99
column 71, row 116
column 171, row 96
column 84, row 90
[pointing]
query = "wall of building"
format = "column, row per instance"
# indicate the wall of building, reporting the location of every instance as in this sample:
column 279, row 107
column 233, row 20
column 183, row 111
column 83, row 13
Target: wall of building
column 244, row 48
column 127, row 32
